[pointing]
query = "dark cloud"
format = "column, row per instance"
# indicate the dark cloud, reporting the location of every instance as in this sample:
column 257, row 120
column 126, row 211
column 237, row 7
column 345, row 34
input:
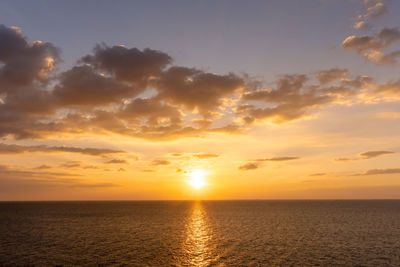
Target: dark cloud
column 16, row 149
column 83, row 86
column 248, row 166
column 23, row 63
column 153, row 111
column 128, row 64
column 197, row 90
column 374, row 154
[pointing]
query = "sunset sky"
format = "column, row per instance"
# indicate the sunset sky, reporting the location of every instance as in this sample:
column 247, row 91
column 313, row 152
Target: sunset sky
column 225, row 99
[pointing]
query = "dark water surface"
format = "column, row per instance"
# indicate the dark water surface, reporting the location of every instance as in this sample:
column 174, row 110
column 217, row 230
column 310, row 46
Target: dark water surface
column 219, row 233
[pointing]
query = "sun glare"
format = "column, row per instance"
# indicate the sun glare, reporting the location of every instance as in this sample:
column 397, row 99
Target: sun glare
column 197, row 178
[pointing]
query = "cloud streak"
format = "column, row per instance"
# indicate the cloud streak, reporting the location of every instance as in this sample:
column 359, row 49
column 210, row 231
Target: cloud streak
column 19, row 149
column 382, row 171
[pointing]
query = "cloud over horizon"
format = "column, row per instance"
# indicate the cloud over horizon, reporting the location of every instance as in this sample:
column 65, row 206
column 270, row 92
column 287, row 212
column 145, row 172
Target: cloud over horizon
column 104, row 92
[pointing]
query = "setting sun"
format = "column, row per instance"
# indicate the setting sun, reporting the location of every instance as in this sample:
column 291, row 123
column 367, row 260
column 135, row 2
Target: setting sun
column 197, row 178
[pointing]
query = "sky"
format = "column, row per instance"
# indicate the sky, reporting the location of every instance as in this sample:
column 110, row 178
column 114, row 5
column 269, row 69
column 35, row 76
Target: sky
column 149, row 100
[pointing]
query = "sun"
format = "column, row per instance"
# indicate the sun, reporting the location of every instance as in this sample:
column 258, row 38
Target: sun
column 197, row 178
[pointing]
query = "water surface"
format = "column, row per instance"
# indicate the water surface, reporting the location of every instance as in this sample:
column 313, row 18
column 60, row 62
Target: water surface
column 207, row 233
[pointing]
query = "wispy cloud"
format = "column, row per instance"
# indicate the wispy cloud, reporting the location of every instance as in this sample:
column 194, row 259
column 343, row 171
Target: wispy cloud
column 116, row 161
column 366, row 155
column 374, row 154
column 278, row 159
column 381, row 171
column 18, row 149
column 249, row 166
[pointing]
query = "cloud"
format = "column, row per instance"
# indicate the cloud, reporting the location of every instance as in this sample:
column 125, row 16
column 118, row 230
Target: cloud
column 372, row 47
column 345, row 159
column 361, row 25
column 374, row 154
column 17, row 149
column 153, row 111
column 389, row 35
column 90, row 167
column 116, row 161
column 249, row 166
column 363, row 43
column 389, row 89
column 318, row 174
column 290, row 100
column 71, row 164
column 23, row 62
column 158, row 162
column 128, row 64
column 20, row 180
column 375, row 10
column 205, row 156
column 100, row 93
column 381, row 58
column 331, row 75
column 197, row 90
column 42, row 167
column 278, row 159
column 83, row 86
column 12, row 172
column 381, row 171
column 366, row 155
column 139, row 93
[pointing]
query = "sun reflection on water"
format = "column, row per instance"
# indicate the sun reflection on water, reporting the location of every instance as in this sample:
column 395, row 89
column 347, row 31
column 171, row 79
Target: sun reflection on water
column 198, row 238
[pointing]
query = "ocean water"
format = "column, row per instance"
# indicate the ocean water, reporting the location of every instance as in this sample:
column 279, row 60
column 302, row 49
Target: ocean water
column 206, row 233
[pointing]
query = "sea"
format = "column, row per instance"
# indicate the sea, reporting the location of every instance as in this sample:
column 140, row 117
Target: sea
column 201, row 233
